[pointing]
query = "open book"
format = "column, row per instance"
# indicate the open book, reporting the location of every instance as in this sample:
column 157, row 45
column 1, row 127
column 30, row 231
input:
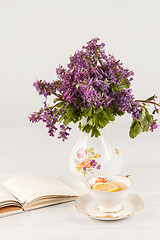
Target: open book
column 30, row 192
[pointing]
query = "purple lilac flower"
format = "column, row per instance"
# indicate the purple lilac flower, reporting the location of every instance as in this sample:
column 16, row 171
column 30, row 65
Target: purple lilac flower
column 46, row 115
column 43, row 87
column 63, row 134
column 153, row 126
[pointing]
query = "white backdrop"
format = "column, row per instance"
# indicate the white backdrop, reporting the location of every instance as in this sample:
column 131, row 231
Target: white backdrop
column 37, row 35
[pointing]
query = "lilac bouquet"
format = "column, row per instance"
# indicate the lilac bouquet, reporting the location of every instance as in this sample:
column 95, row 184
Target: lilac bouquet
column 94, row 86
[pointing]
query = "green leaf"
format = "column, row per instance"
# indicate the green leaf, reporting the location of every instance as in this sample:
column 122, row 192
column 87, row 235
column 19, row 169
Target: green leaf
column 95, row 119
column 150, row 118
column 131, row 132
column 99, row 110
column 60, row 105
column 125, row 86
column 80, row 125
column 82, row 109
column 123, row 80
column 135, row 128
column 86, row 128
column 93, row 109
column 103, row 122
column 90, row 122
column 145, row 125
column 101, row 119
column 95, row 132
column 118, row 75
column 145, row 119
column 151, row 98
column 142, row 114
column 87, row 112
column 108, row 114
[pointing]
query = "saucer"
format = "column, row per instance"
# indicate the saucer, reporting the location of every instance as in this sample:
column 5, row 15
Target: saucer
column 87, row 205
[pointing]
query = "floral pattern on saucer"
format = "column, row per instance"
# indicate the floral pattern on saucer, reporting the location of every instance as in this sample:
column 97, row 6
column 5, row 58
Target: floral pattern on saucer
column 86, row 160
column 86, row 205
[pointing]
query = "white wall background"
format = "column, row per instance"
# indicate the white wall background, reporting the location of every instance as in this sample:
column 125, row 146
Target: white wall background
column 37, row 35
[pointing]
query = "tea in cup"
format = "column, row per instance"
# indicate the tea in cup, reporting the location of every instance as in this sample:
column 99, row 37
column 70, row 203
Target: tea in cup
column 109, row 191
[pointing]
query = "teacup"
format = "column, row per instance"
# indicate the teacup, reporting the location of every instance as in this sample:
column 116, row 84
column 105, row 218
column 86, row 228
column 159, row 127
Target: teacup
column 109, row 201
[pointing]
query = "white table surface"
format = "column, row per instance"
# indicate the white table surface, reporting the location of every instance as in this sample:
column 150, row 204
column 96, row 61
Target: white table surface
column 29, row 151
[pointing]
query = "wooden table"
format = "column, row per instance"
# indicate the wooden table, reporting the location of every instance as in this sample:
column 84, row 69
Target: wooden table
column 29, row 151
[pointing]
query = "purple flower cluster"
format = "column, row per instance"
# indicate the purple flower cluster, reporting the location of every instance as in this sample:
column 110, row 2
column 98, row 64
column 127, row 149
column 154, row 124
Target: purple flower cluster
column 50, row 117
column 44, row 88
column 46, row 115
column 91, row 79
column 63, row 133
column 153, row 126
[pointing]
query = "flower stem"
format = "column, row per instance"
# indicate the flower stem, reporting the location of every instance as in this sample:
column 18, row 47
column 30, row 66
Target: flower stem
column 57, row 95
column 68, row 119
column 55, row 105
column 98, row 56
column 146, row 101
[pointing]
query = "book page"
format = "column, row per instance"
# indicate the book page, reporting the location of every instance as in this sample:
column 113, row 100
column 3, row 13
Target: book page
column 4, row 211
column 48, row 202
column 6, row 197
column 28, row 188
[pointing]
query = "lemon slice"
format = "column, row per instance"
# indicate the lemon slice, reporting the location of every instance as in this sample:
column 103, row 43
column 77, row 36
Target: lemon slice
column 107, row 186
